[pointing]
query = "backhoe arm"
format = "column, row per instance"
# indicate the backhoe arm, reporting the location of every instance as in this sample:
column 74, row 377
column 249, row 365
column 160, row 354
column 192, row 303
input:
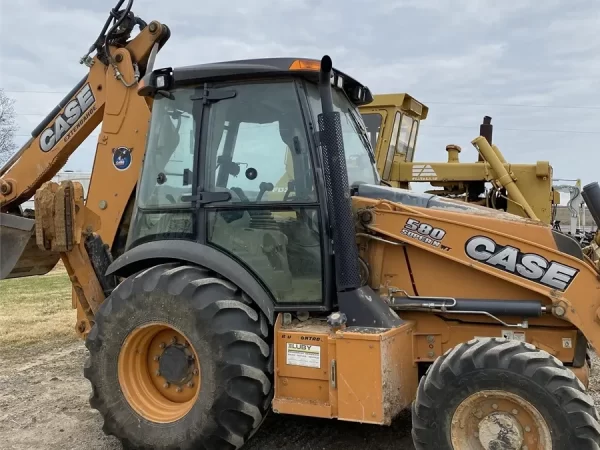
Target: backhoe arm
column 82, row 232
column 98, row 96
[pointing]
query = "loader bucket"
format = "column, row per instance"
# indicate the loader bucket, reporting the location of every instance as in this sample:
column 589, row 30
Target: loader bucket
column 19, row 254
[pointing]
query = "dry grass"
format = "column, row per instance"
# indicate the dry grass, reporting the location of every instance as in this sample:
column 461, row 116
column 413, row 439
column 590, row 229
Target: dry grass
column 36, row 310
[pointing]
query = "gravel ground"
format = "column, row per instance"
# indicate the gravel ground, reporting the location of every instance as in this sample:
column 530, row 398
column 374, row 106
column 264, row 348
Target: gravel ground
column 44, row 404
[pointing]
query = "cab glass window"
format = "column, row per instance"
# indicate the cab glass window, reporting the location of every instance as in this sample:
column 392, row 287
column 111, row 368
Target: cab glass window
column 373, row 123
column 257, row 146
column 169, row 158
column 360, row 161
column 404, row 135
column 410, row 154
column 392, row 148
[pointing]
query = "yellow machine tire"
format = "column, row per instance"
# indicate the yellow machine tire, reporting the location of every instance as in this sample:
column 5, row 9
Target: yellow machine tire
column 212, row 322
column 493, row 393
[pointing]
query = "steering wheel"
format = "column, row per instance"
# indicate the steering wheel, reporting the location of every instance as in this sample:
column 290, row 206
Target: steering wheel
column 243, row 197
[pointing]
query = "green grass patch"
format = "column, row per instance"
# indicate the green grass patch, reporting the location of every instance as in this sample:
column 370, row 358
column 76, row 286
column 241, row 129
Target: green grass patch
column 36, row 309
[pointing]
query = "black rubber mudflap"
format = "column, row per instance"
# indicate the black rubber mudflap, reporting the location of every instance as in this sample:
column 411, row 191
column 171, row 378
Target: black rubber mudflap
column 230, row 335
column 513, row 366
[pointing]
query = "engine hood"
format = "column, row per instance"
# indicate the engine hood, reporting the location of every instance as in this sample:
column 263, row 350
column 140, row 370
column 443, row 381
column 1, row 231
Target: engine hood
column 564, row 243
column 423, row 200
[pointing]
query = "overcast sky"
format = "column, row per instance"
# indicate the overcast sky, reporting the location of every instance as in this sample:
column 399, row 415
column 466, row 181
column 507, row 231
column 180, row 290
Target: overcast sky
column 530, row 64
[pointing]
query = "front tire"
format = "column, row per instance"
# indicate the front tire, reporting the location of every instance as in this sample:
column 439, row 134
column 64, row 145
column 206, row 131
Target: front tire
column 502, row 394
column 180, row 359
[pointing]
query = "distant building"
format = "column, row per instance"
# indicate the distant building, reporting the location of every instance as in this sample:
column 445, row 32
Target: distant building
column 81, row 177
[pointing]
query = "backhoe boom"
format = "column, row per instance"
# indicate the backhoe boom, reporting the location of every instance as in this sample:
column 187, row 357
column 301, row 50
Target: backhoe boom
column 82, row 231
column 55, row 139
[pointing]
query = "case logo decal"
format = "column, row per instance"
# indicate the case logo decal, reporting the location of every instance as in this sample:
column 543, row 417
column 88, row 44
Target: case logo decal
column 530, row 266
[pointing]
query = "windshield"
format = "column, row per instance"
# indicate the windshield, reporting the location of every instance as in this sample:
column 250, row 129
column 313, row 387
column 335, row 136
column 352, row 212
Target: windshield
column 358, row 150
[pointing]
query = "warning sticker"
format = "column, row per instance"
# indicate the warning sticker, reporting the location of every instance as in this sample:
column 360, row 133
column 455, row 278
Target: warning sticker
column 515, row 335
column 303, row 355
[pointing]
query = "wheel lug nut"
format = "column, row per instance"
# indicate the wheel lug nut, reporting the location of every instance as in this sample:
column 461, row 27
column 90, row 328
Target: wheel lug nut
column 157, row 373
column 191, row 384
column 196, row 372
column 178, row 389
column 163, row 345
column 173, row 340
column 495, row 406
column 166, row 385
column 156, row 358
column 528, row 429
column 515, row 412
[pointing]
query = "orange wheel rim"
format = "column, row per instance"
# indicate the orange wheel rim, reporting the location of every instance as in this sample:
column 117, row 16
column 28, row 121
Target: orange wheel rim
column 496, row 415
column 159, row 373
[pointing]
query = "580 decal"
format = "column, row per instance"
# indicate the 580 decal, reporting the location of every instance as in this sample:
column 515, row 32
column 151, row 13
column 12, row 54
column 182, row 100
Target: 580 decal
column 424, row 233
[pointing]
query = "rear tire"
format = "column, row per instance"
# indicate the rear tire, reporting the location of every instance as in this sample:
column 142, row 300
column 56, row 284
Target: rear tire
column 530, row 398
column 230, row 337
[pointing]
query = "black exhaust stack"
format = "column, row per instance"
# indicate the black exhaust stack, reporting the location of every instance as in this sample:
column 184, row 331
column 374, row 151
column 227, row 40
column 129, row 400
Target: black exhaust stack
column 486, row 129
column 336, row 179
column 591, row 196
column 361, row 305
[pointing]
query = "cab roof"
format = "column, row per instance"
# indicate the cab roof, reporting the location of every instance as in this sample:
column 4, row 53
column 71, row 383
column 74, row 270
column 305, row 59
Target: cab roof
column 306, row 68
column 403, row 101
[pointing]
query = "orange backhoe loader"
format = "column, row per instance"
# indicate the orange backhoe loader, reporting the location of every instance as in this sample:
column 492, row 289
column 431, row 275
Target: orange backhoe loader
column 206, row 297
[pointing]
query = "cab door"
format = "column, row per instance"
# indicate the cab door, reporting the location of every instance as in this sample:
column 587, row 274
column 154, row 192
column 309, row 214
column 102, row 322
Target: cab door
column 256, row 167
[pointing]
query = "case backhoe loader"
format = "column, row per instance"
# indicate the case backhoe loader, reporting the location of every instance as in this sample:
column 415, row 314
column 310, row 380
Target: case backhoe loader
column 207, row 298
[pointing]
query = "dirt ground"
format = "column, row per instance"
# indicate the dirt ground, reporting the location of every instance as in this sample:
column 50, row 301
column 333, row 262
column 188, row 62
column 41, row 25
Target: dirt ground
column 44, row 397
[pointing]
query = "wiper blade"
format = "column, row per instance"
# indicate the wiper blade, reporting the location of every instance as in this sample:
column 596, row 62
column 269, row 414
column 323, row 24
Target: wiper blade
column 363, row 135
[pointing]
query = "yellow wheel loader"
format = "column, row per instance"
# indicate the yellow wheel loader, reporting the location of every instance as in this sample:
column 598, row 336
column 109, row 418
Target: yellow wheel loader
column 393, row 122
column 207, row 298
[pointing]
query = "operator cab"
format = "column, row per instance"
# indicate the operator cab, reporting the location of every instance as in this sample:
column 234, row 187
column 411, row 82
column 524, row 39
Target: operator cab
column 233, row 162
column 393, row 122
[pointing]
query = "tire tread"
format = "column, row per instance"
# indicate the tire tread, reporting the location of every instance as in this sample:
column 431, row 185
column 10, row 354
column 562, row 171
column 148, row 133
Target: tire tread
column 518, row 357
column 194, row 283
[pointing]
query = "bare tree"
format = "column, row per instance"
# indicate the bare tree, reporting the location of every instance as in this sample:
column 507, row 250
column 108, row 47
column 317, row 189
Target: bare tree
column 8, row 126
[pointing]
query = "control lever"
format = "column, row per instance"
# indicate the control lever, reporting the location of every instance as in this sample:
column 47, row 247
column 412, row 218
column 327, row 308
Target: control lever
column 264, row 187
column 261, row 215
column 291, row 188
